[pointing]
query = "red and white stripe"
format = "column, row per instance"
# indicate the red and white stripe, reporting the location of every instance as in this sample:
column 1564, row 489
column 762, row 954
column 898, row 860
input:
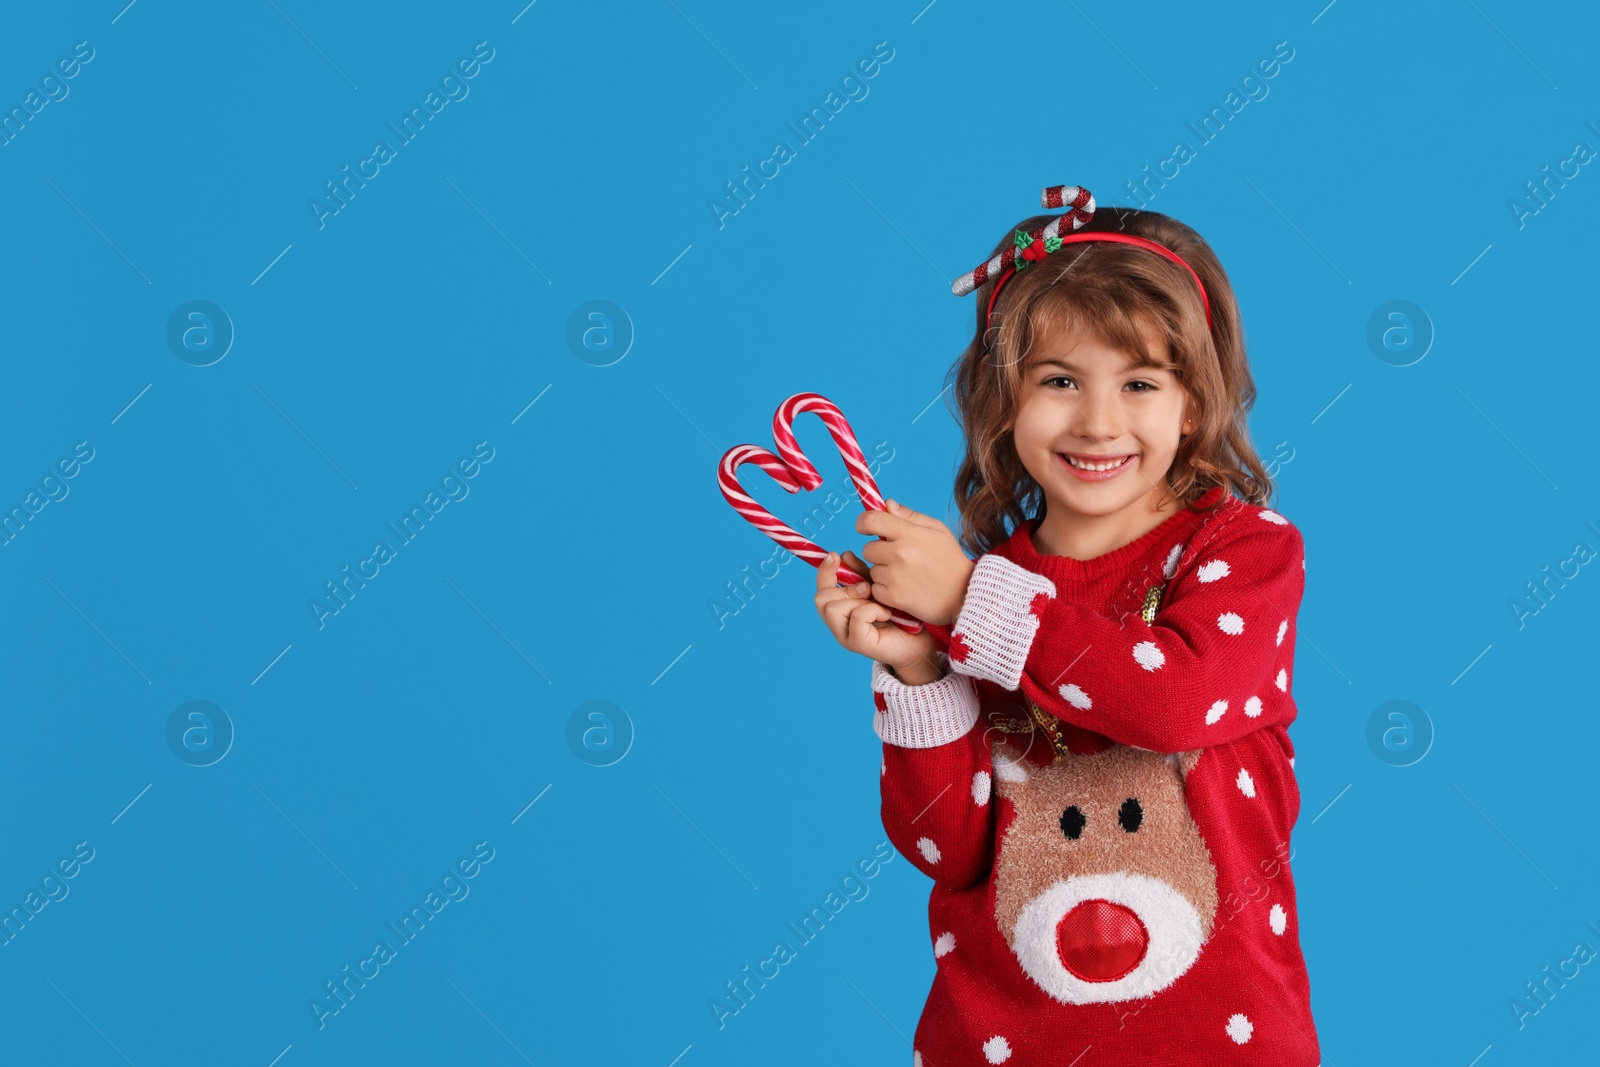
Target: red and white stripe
column 1080, row 205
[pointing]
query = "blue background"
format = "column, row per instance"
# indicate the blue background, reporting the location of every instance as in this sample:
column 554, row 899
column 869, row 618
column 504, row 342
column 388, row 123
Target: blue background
column 585, row 564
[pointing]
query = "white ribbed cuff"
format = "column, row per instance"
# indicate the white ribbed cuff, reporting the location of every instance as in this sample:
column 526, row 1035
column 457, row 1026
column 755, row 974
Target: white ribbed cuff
column 996, row 625
column 923, row 716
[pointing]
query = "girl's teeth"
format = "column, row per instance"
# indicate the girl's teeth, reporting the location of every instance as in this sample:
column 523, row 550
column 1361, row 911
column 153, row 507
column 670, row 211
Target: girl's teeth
column 1096, row 466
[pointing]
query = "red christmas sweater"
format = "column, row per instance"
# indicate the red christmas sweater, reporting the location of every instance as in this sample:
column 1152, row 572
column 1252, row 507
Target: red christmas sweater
column 1101, row 787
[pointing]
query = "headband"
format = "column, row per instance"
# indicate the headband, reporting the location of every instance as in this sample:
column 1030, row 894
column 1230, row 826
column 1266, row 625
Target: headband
column 1032, row 247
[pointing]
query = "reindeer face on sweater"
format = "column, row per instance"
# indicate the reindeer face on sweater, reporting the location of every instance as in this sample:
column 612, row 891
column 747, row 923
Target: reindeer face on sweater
column 1104, row 888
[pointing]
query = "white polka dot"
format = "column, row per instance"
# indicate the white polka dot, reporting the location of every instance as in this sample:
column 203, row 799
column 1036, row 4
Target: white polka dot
column 916, row 1058
column 1302, row 563
column 1283, row 628
column 981, row 786
column 1211, row 571
column 1291, row 763
column 885, row 769
column 1215, row 711
column 930, row 851
column 1239, row 1028
column 1077, row 697
column 1246, row 784
column 1273, row 516
column 944, row 945
column 1230, row 623
column 997, row 1049
column 1278, row 919
column 1149, row 655
column 1170, row 567
column 1283, row 680
column 1252, row 707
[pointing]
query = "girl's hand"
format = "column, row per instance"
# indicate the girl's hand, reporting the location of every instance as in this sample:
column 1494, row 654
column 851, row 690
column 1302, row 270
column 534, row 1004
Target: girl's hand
column 862, row 625
column 921, row 569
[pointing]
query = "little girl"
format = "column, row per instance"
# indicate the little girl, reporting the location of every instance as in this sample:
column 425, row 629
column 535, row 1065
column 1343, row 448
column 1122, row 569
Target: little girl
column 1087, row 747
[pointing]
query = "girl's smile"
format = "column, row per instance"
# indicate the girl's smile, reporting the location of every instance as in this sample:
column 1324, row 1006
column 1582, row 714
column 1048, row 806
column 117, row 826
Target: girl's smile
column 1095, row 467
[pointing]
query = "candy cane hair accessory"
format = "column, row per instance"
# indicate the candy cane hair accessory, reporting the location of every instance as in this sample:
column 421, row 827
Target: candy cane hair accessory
column 1026, row 248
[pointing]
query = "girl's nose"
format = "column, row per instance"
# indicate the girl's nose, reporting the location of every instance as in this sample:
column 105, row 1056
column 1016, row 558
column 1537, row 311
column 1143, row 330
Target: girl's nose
column 1098, row 417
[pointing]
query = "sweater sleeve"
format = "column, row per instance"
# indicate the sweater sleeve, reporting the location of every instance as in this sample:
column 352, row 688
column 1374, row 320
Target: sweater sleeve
column 1211, row 666
column 935, row 780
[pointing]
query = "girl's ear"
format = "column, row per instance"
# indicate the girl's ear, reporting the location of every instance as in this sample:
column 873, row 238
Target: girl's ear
column 1191, row 418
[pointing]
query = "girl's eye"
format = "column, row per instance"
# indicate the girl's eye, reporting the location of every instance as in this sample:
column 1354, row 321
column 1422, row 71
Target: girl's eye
column 1144, row 386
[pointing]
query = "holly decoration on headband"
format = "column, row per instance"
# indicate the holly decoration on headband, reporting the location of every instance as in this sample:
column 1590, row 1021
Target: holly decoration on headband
column 1033, row 248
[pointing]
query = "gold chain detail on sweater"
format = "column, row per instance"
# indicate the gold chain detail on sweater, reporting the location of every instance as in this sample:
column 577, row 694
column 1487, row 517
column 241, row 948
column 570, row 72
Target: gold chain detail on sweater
column 1050, row 725
column 1007, row 725
column 1152, row 600
column 1038, row 719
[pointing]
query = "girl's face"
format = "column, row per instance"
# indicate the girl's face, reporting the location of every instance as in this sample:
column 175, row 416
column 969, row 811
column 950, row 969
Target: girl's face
column 1084, row 399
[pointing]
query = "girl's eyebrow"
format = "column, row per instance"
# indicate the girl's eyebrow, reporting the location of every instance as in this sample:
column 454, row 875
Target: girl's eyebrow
column 1127, row 365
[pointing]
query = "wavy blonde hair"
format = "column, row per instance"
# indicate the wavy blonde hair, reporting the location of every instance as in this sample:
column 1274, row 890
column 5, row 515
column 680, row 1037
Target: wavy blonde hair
column 1105, row 289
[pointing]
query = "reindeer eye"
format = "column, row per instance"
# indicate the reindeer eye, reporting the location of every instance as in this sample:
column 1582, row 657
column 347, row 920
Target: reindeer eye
column 1131, row 815
column 1072, row 821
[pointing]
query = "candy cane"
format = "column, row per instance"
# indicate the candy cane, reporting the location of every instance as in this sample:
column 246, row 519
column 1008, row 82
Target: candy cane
column 844, row 439
column 794, row 472
column 1080, row 212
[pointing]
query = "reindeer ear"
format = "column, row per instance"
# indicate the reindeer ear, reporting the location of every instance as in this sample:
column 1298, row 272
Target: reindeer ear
column 1007, row 767
column 1185, row 761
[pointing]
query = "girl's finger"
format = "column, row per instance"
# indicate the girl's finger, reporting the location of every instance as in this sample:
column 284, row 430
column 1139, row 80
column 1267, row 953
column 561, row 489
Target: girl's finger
column 836, row 615
column 828, row 590
column 828, row 572
column 832, row 615
column 867, row 612
column 862, row 620
column 859, row 590
column 915, row 517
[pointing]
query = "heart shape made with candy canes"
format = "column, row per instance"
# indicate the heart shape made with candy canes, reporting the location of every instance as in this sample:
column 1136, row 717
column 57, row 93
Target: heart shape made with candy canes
column 792, row 470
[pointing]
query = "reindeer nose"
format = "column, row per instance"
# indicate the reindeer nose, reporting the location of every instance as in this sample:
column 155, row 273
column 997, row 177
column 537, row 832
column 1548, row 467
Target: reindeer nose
column 1100, row 941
